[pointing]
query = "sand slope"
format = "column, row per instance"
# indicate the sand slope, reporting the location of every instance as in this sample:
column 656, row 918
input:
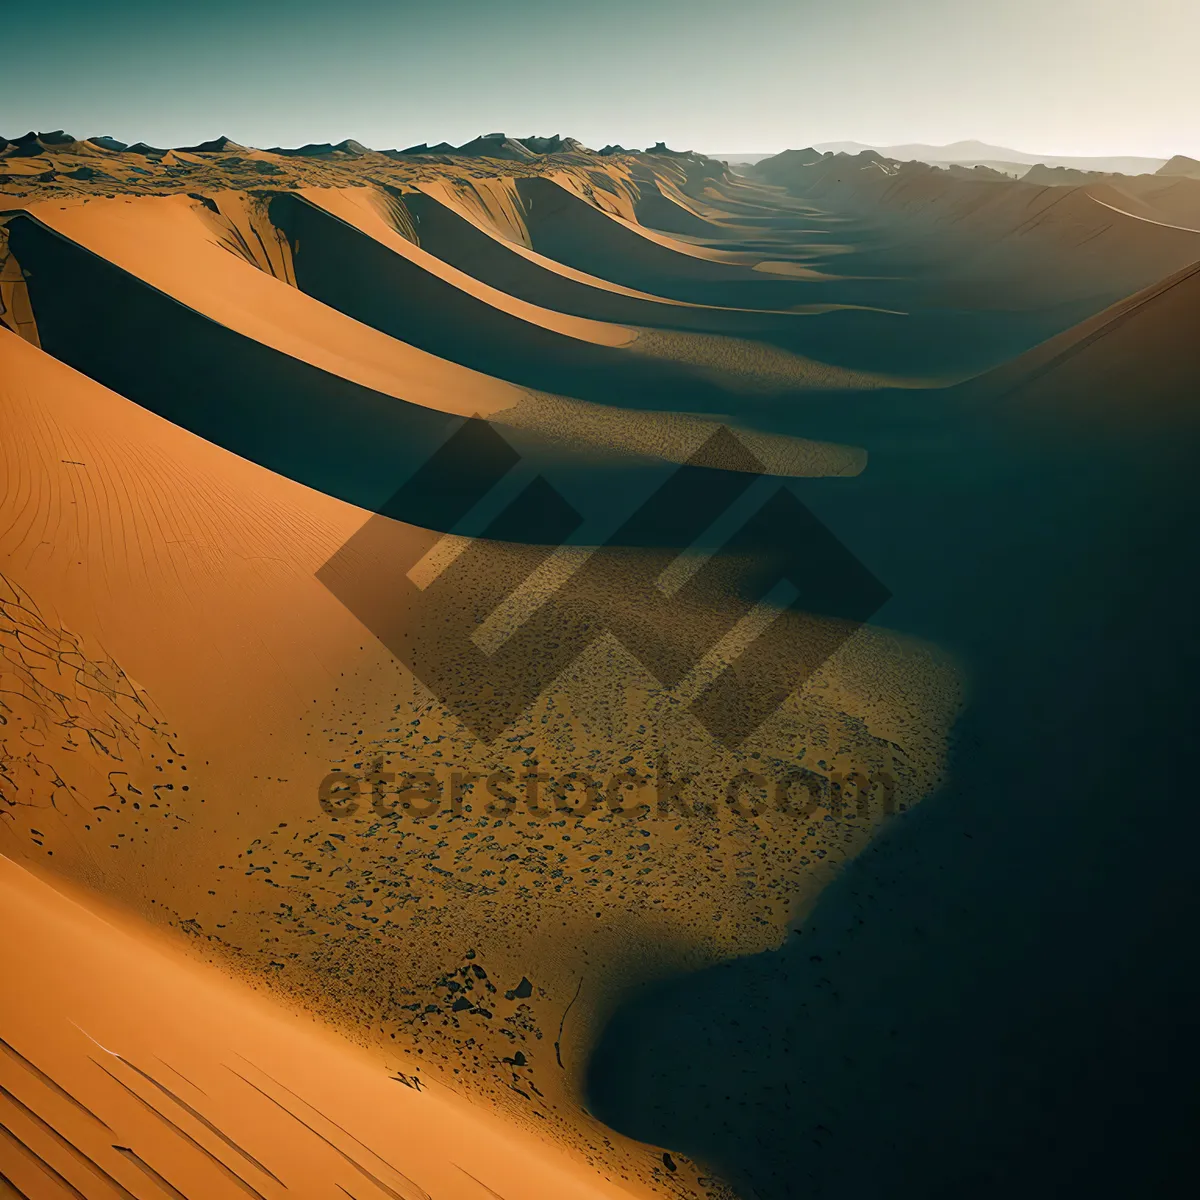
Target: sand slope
column 1012, row 231
column 1131, row 369
column 228, row 372
column 171, row 1080
column 206, row 682
column 169, row 243
column 445, row 226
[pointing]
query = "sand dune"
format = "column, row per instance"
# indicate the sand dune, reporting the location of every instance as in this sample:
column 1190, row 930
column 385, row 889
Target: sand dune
column 362, row 267
column 182, row 248
column 233, row 330
column 563, row 226
column 195, row 572
column 1015, row 232
column 924, row 271
column 301, row 420
column 1130, row 206
column 173, row 1080
column 239, row 391
column 444, row 225
column 1130, row 369
column 1168, row 201
column 712, row 206
column 833, row 257
column 444, row 219
column 1180, row 165
column 446, row 216
column 368, row 211
column 660, row 204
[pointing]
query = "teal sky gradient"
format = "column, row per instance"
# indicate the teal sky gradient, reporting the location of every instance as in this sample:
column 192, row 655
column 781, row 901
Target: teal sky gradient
column 1085, row 77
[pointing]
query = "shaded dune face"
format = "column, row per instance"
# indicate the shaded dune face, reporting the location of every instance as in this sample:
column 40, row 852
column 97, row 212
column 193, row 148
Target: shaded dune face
column 352, row 272
column 1070, row 481
column 392, row 612
column 959, row 294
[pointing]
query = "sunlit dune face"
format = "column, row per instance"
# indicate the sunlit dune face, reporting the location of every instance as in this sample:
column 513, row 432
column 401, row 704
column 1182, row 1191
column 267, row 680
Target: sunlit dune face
column 447, row 897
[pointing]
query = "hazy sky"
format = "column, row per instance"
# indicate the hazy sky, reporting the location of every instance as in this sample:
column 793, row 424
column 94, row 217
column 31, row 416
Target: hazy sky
column 1049, row 76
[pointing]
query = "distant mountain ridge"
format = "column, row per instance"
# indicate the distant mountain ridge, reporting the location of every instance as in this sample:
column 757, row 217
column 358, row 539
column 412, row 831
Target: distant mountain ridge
column 971, row 152
column 1181, row 165
column 487, row 145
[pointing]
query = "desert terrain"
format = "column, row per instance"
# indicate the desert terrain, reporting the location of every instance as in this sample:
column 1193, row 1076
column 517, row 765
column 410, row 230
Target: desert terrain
column 308, row 894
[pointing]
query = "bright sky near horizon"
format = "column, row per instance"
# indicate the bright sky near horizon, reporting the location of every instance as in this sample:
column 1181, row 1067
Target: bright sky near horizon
column 1084, row 77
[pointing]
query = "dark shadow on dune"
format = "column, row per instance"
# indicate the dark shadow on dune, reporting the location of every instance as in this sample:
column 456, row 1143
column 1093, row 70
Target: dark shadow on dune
column 566, row 228
column 457, row 241
column 344, row 268
column 929, row 331
column 998, row 997
column 656, row 210
column 615, row 591
column 350, row 271
column 304, row 423
column 316, row 428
